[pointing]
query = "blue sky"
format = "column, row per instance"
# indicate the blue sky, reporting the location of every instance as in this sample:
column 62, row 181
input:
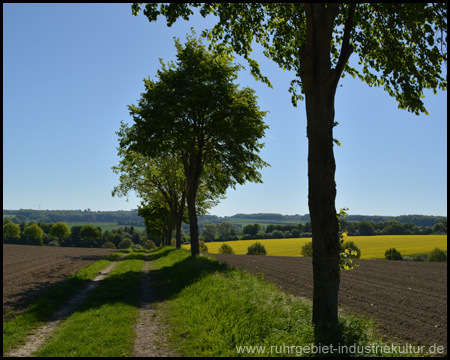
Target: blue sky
column 70, row 70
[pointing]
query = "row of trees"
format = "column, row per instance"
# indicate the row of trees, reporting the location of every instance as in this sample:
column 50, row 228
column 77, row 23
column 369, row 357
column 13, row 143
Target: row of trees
column 195, row 134
column 59, row 234
column 315, row 42
column 72, row 216
column 227, row 231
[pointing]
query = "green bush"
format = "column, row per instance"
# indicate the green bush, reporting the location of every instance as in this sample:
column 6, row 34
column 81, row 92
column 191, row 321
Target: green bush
column 256, row 249
column 149, row 245
column 246, row 237
column 352, row 246
column 392, row 254
column 137, row 247
column 226, row 249
column 307, row 250
column 125, row 244
column 108, row 245
column 53, row 243
column 438, row 255
column 203, row 247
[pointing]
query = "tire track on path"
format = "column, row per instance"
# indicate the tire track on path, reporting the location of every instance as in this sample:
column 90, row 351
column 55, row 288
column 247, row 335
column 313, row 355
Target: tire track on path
column 150, row 340
column 34, row 341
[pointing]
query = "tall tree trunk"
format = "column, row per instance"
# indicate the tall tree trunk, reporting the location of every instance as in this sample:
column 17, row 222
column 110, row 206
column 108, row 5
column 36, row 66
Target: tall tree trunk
column 321, row 201
column 193, row 225
column 319, row 83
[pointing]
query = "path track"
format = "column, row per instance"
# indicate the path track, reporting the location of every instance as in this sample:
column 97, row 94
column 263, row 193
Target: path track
column 150, row 340
column 34, row 341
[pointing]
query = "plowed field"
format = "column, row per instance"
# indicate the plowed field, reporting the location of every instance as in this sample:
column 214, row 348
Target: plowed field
column 28, row 270
column 407, row 299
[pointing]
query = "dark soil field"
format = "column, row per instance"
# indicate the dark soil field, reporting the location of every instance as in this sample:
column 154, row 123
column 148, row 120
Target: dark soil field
column 28, row 270
column 407, row 299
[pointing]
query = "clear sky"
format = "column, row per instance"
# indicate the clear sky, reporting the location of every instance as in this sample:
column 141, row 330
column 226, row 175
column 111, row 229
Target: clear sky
column 70, row 70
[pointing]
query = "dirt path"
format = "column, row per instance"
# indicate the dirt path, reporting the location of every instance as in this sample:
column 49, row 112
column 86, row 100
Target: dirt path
column 150, row 341
column 34, row 341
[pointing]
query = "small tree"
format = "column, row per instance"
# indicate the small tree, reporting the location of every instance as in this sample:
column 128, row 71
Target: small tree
column 307, row 250
column 125, row 244
column 59, row 230
column 90, row 233
column 11, row 231
column 256, row 249
column 203, row 247
column 209, row 232
column 34, row 234
column 226, row 249
column 149, row 245
column 108, row 245
column 437, row 255
column 393, row 254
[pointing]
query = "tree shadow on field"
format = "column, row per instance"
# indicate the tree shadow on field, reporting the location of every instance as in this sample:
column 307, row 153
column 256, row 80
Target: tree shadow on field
column 168, row 281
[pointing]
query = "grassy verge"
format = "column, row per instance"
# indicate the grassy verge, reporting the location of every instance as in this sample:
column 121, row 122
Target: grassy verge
column 217, row 311
column 104, row 324
column 16, row 330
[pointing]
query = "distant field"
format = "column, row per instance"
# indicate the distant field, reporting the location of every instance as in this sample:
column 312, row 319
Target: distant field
column 372, row 247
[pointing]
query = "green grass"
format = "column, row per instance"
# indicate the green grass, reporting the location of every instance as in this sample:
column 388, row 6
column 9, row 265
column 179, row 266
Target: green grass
column 16, row 330
column 213, row 310
column 104, row 323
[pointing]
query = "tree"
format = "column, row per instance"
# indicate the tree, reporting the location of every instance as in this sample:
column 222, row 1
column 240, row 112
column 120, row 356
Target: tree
column 393, row 254
column 11, row 231
column 209, row 232
column 366, row 228
column 34, row 234
column 224, row 230
column 59, row 230
column 90, row 233
column 195, row 112
column 405, row 45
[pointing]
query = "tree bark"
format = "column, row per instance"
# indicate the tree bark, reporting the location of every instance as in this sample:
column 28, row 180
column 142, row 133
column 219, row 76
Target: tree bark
column 193, row 225
column 319, row 84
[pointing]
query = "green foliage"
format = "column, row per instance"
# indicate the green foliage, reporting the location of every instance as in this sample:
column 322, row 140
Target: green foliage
column 53, row 243
column 347, row 257
column 209, row 232
column 393, row 254
column 307, row 249
column 90, row 233
column 352, row 246
column 438, row 255
column 414, row 33
column 11, row 231
column 108, row 245
column 226, row 249
column 59, row 230
column 34, row 234
column 256, row 249
column 149, row 245
column 203, row 247
column 125, row 244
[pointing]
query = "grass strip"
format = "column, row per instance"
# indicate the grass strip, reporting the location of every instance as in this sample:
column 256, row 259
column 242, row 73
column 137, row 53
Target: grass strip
column 16, row 330
column 104, row 324
column 214, row 310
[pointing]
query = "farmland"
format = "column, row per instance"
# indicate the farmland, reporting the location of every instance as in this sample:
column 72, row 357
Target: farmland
column 406, row 299
column 372, row 247
column 28, row 270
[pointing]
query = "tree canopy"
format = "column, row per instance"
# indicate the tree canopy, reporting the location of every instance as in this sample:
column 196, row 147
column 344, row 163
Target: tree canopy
column 400, row 46
column 196, row 113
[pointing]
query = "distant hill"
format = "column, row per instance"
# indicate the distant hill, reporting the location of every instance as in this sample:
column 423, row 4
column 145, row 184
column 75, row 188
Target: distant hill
column 71, row 216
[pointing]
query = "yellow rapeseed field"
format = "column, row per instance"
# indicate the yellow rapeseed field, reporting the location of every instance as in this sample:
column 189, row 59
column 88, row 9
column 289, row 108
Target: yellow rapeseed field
column 372, row 247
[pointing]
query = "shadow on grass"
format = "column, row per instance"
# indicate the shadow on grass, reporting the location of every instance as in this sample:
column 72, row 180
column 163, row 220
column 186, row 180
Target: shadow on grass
column 168, row 281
